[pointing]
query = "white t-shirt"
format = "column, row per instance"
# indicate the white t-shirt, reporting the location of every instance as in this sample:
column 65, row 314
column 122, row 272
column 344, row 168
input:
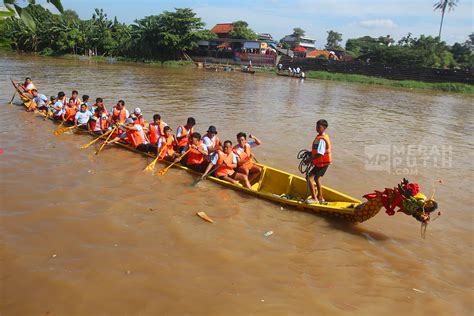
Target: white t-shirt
column 210, row 142
column 40, row 100
column 83, row 117
column 58, row 108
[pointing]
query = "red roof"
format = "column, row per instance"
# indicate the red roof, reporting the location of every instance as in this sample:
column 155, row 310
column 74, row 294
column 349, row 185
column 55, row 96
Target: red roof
column 299, row 49
column 222, row 28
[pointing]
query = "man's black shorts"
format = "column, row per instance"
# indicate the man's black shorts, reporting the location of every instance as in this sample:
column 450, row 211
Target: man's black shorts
column 318, row 171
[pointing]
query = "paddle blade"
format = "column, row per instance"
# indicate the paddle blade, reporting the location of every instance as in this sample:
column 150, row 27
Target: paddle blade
column 61, row 131
column 204, row 216
column 150, row 167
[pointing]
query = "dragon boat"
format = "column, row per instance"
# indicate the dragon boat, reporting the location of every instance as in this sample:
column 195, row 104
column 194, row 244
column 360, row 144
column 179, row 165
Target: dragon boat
column 292, row 190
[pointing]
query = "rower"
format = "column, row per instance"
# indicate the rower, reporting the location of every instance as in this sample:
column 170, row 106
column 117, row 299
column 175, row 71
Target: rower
column 244, row 153
column 28, row 85
column 135, row 136
column 211, row 140
column 63, row 98
column 137, row 117
column 99, row 103
column 99, row 121
column 82, row 116
column 75, row 98
column 119, row 111
column 183, row 133
column 195, row 157
column 70, row 111
column 226, row 162
column 156, row 129
column 40, row 101
column 57, row 108
column 85, row 100
column 168, row 140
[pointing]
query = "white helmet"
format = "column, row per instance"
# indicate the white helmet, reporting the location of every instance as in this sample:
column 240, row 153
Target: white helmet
column 137, row 111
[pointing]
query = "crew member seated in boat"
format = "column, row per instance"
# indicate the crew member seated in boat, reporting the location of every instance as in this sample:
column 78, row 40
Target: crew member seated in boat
column 211, row 140
column 99, row 121
column 28, row 85
column 99, row 103
column 75, row 98
column 137, row 117
column 85, row 100
column 322, row 158
column 195, row 159
column 63, row 98
column 156, row 129
column 39, row 101
column 70, row 111
column 82, row 116
column 226, row 162
column 183, row 133
column 167, row 145
column 57, row 108
column 243, row 150
column 119, row 111
column 135, row 136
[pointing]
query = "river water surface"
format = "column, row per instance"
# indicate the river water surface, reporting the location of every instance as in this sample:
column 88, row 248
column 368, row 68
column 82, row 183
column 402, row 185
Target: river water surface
column 95, row 235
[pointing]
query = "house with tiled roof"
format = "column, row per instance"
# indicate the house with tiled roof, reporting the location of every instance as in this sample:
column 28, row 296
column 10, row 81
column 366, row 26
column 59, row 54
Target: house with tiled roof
column 222, row 30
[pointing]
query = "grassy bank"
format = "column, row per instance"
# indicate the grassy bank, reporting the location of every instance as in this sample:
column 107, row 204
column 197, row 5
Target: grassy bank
column 410, row 84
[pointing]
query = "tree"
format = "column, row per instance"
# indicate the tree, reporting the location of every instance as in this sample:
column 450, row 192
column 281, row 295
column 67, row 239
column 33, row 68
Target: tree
column 442, row 5
column 298, row 32
column 167, row 34
column 242, row 30
column 333, row 41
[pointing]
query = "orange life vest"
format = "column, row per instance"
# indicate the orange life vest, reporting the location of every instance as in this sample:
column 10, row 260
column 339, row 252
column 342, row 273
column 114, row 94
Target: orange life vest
column 215, row 143
column 77, row 102
column 322, row 160
column 185, row 136
column 244, row 154
column 103, row 123
column 194, row 156
column 135, row 138
column 138, row 119
column 70, row 113
column 121, row 114
column 169, row 143
column 224, row 170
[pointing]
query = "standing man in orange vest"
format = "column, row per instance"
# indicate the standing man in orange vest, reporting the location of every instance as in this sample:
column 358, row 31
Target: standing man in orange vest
column 322, row 158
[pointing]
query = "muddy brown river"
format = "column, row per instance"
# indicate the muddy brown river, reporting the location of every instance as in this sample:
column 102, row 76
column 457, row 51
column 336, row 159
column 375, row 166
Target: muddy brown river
column 95, row 235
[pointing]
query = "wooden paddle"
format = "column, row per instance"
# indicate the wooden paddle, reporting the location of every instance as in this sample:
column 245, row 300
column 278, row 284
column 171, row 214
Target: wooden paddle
column 163, row 171
column 65, row 129
column 151, row 166
column 93, row 142
column 106, row 140
column 203, row 178
column 61, row 125
column 13, row 97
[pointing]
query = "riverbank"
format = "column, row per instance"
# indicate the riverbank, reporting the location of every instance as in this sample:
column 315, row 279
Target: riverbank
column 408, row 84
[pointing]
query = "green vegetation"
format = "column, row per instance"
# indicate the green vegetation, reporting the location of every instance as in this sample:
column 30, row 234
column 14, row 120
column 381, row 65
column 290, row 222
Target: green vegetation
column 156, row 37
column 334, row 40
column 410, row 84
column 242, row 30
column 425, row 51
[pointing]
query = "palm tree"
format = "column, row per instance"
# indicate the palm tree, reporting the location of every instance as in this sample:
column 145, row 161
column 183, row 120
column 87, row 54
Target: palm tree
column 442, row 5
